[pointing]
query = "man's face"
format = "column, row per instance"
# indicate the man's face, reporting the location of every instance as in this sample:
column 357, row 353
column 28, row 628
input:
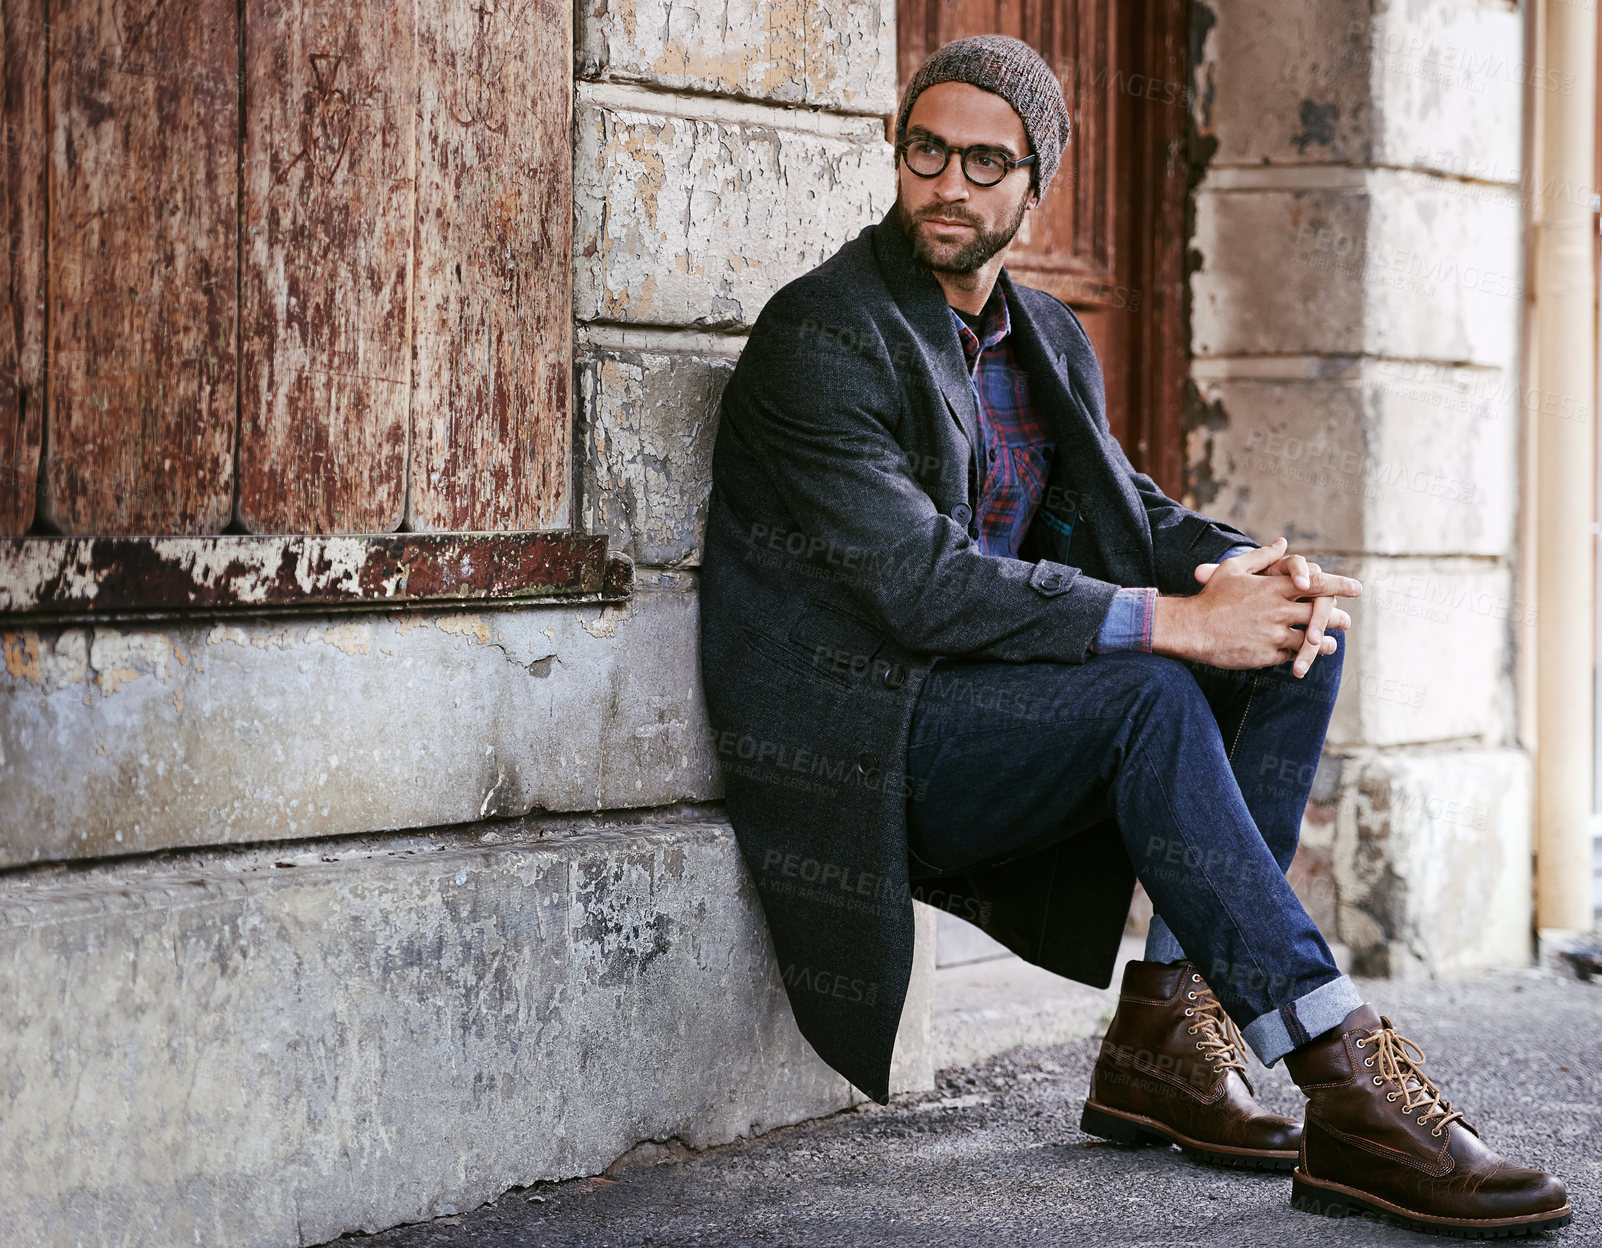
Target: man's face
column 954, row 225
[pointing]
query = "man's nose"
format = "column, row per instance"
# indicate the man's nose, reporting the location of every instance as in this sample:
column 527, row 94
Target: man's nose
column 951, row 185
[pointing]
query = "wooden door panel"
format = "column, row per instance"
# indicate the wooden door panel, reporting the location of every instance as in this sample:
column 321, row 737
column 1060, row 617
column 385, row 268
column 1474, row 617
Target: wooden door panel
column 329, row 176
column 1108, row 336
column 142, row 288
column 22, row 272
column 490, row 439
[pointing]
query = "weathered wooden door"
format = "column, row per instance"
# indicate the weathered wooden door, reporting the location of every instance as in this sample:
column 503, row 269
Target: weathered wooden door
column 1109, row 237
column 284, row 266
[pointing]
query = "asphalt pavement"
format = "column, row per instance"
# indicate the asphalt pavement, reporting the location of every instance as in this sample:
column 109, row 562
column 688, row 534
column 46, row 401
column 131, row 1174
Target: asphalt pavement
column 994, row 1155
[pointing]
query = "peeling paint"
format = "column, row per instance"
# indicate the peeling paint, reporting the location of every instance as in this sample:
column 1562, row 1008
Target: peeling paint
column 605, row 624
column 22, row 656
column 353, row 637
column 39, row 574
column 471, row 626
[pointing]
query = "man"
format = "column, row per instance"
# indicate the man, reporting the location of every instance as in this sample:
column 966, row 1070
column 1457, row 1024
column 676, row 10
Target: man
column 956, row 648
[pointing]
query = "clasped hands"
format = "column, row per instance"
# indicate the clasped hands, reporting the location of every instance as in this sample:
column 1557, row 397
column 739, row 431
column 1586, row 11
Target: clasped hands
column 1257, row 609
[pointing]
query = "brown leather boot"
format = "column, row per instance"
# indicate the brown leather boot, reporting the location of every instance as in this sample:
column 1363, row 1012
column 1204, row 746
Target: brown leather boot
column 1380, row 1138
column 1172, row 1070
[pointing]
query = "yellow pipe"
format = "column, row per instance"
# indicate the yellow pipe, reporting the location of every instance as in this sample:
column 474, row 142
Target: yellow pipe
column 1564, row 489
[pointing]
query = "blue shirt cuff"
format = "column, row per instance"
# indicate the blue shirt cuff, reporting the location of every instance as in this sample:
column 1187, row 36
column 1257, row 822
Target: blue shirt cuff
column 1128, row 623
column 1233, row 551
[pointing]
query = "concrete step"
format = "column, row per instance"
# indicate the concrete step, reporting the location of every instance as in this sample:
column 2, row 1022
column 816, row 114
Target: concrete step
column 276, row 1045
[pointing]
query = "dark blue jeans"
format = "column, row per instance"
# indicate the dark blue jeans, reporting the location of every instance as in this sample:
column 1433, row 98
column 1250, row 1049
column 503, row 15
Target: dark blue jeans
column 1203, row 771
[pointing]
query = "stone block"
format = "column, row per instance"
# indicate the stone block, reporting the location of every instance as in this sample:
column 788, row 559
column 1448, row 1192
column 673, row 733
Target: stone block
column 1443, row 273
column 958, row 942
column 228, row 1051
column 1373, row 456
column 1448, row 86
column 1430, row 85
column 1430, row 653
column 1280, row 272
column 838, row 55
column 1432, row 853
column 648, row 420
column 1388, row 266
column 695, row 220
column 127, row 739
column 1286, row 86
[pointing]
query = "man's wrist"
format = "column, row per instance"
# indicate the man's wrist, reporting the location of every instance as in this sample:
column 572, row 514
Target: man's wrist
column 1170, row 632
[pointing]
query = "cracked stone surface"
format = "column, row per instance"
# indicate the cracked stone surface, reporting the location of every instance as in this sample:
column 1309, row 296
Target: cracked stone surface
column 994, row 1155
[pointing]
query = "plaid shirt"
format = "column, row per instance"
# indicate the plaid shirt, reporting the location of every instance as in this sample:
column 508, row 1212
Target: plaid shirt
column 1016, row 455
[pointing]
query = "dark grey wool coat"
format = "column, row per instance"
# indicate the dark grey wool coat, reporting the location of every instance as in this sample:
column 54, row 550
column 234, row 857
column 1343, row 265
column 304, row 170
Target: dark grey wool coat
column 840, row 562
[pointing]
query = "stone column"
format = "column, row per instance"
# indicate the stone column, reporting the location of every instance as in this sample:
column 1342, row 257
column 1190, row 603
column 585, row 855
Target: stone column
column 1356, row 295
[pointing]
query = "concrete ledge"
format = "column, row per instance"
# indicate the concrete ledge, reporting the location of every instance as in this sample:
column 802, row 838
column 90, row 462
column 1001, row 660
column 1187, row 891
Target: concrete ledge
column 121, row 739
column 272, row 1047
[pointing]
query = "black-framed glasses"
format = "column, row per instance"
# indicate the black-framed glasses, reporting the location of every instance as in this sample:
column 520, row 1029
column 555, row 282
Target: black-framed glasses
column 983, row 166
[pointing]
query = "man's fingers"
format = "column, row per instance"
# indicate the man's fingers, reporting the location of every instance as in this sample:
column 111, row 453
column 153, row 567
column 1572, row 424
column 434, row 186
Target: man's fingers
column 1335, row 585
column 1318, row 621
column 1204, row 571
column 1296, row 569
column 1313, row 646
column 1262, row 557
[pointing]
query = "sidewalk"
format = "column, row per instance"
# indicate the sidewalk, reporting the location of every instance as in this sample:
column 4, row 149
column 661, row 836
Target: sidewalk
column 994, row 1156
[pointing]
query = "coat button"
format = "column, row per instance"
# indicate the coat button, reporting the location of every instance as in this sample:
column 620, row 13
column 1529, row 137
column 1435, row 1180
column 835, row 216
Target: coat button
column 962, row 513
column 866, row 763
column 894, row 676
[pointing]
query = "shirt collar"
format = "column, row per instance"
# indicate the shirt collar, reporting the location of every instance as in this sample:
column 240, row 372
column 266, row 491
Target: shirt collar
column 996, row 325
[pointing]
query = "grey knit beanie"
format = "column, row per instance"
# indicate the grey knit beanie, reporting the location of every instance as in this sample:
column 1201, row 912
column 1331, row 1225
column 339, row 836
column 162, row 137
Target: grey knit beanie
column 1011, row 69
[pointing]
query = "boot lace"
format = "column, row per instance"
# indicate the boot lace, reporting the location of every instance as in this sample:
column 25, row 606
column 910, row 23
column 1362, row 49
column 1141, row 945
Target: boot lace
column 1398, row 1060
column 1221, row 1040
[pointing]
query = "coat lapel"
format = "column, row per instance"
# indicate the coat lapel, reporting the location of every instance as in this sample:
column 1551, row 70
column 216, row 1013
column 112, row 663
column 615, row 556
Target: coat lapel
column 1112, row 506
column 923, row 303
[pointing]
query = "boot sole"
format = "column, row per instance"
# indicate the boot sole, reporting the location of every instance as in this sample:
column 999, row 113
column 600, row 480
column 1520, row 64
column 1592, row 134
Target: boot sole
column 1336, row 1201
column 1126, row 1128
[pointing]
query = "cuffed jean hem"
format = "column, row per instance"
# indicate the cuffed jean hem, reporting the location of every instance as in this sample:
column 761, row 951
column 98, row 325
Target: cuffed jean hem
column 1293, row 1024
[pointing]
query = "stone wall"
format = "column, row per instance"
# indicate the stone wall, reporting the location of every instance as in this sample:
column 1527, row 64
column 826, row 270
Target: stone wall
column 1356, row 301
column 296, row 936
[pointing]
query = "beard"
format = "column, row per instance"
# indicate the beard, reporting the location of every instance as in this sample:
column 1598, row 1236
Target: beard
column 967, row 257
